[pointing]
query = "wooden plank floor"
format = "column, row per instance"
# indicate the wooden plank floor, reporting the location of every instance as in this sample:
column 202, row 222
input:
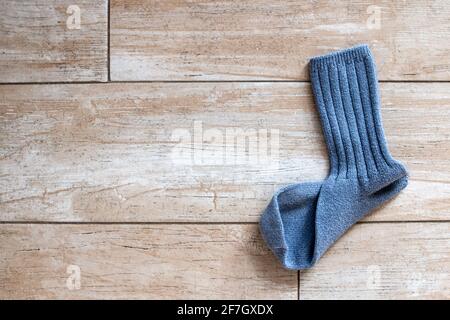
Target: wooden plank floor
column 267, row 40
column 153, row 189
column 137, row 261
column 106, row 152
column 40, row 42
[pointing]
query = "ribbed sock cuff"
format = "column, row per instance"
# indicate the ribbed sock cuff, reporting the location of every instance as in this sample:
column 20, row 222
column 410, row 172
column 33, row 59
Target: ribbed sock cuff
column 349, row 55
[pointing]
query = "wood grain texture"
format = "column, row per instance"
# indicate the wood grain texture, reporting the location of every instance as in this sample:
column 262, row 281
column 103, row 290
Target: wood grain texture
column 136, row 261
column 266, row 40
column 105, row 152
column 384, row 261
column 37, row 46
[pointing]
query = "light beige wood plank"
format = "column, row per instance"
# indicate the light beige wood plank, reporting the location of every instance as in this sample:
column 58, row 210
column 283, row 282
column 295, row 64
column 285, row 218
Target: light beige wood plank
column 38, row 45
column 137, row 261
column 105, row 152
column 266, row 40
column 384, row 261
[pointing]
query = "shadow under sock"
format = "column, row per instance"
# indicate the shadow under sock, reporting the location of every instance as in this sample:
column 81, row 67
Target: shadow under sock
column 303, row 220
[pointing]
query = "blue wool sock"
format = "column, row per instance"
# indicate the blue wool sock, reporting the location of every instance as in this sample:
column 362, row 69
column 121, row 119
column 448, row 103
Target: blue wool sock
column 303, row 220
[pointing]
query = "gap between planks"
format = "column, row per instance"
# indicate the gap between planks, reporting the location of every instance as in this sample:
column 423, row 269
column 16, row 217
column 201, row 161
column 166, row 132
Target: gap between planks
column 196, row 222
column 108, row 40
column 197, row 81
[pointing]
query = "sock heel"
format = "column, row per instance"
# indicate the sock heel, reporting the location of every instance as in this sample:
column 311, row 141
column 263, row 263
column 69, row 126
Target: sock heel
column 384, row 182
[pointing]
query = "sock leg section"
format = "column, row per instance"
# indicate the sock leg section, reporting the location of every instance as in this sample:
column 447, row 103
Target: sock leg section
column 345, row 88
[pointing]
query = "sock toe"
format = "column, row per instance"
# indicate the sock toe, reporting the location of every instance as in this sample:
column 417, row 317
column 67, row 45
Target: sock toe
column 287, row 224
